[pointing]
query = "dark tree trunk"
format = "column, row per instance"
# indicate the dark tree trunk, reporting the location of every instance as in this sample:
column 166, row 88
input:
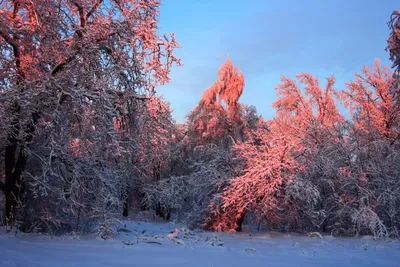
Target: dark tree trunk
column 11, row 169
column 168, row 215
column 10, row 182
column 239, row 221
column 15, row 162
column 125, row 210
column 159, row 211
column 14, row 188
column 162, row 212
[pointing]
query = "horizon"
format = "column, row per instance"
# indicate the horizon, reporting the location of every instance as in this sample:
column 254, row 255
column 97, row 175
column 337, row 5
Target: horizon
column 265, row 45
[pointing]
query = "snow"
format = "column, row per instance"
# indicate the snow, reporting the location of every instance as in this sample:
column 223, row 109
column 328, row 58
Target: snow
column 170, row 244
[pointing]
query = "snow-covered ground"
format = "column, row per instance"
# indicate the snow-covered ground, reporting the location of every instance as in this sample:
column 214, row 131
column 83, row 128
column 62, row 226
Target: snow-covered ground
column 153, row 244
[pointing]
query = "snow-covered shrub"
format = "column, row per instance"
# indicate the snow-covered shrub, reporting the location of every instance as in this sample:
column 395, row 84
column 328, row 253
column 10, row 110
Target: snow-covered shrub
column 366, row 217
column 73, row 195
column 107, row 227
column 302, row 198
column 377, row 189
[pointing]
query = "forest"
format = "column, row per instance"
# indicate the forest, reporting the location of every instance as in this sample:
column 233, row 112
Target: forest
column 86, row 139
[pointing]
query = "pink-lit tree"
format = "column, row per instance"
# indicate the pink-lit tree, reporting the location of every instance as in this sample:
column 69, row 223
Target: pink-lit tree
column 279, row 150
column 372, row 104
column 371, row 179
column 68, row 68
column 200, row 156
column 217, row 115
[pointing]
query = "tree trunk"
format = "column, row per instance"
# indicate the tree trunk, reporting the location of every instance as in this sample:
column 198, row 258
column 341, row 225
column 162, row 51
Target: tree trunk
column 239, row 221
column 13, row 187
column 11, row 169
column 15, row 161
column 125, row 209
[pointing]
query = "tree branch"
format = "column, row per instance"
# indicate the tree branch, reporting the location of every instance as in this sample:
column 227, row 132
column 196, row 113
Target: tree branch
column 62, row 65
column 7, row 38
column 93, row 9
column 16, row 50
column 82, row 16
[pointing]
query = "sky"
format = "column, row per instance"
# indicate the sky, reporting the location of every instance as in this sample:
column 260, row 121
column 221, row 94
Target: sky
column 266, row 39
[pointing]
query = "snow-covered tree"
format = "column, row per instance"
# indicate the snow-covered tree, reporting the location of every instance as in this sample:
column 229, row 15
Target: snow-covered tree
column 201, row 158
column 279, row 150
column 217, row 118
column 372, row 105
column 153, row 155
column 68, row 69
column 372, row 180
column 394, row 49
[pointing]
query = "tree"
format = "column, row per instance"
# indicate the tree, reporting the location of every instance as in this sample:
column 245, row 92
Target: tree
column 155, row 139
column 371, row 178
column 201, row 158
column 217, row 115
column 217, row 122
column 153, row 154
column 278, row 151
column 67, row 69
column 372, row 105
column 394, row 41
column 394, row 50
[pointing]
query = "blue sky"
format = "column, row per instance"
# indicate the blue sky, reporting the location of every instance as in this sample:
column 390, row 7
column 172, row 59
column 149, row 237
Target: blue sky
column 266, row 39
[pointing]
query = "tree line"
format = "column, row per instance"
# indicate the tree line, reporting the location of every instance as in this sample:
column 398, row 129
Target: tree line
column 85, row 137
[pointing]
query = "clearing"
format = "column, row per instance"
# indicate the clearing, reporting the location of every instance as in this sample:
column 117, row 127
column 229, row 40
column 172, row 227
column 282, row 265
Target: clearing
column 153, row 244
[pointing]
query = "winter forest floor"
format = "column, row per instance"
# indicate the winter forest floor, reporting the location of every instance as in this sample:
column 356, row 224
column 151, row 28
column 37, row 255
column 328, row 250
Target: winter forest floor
column 152, row 244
